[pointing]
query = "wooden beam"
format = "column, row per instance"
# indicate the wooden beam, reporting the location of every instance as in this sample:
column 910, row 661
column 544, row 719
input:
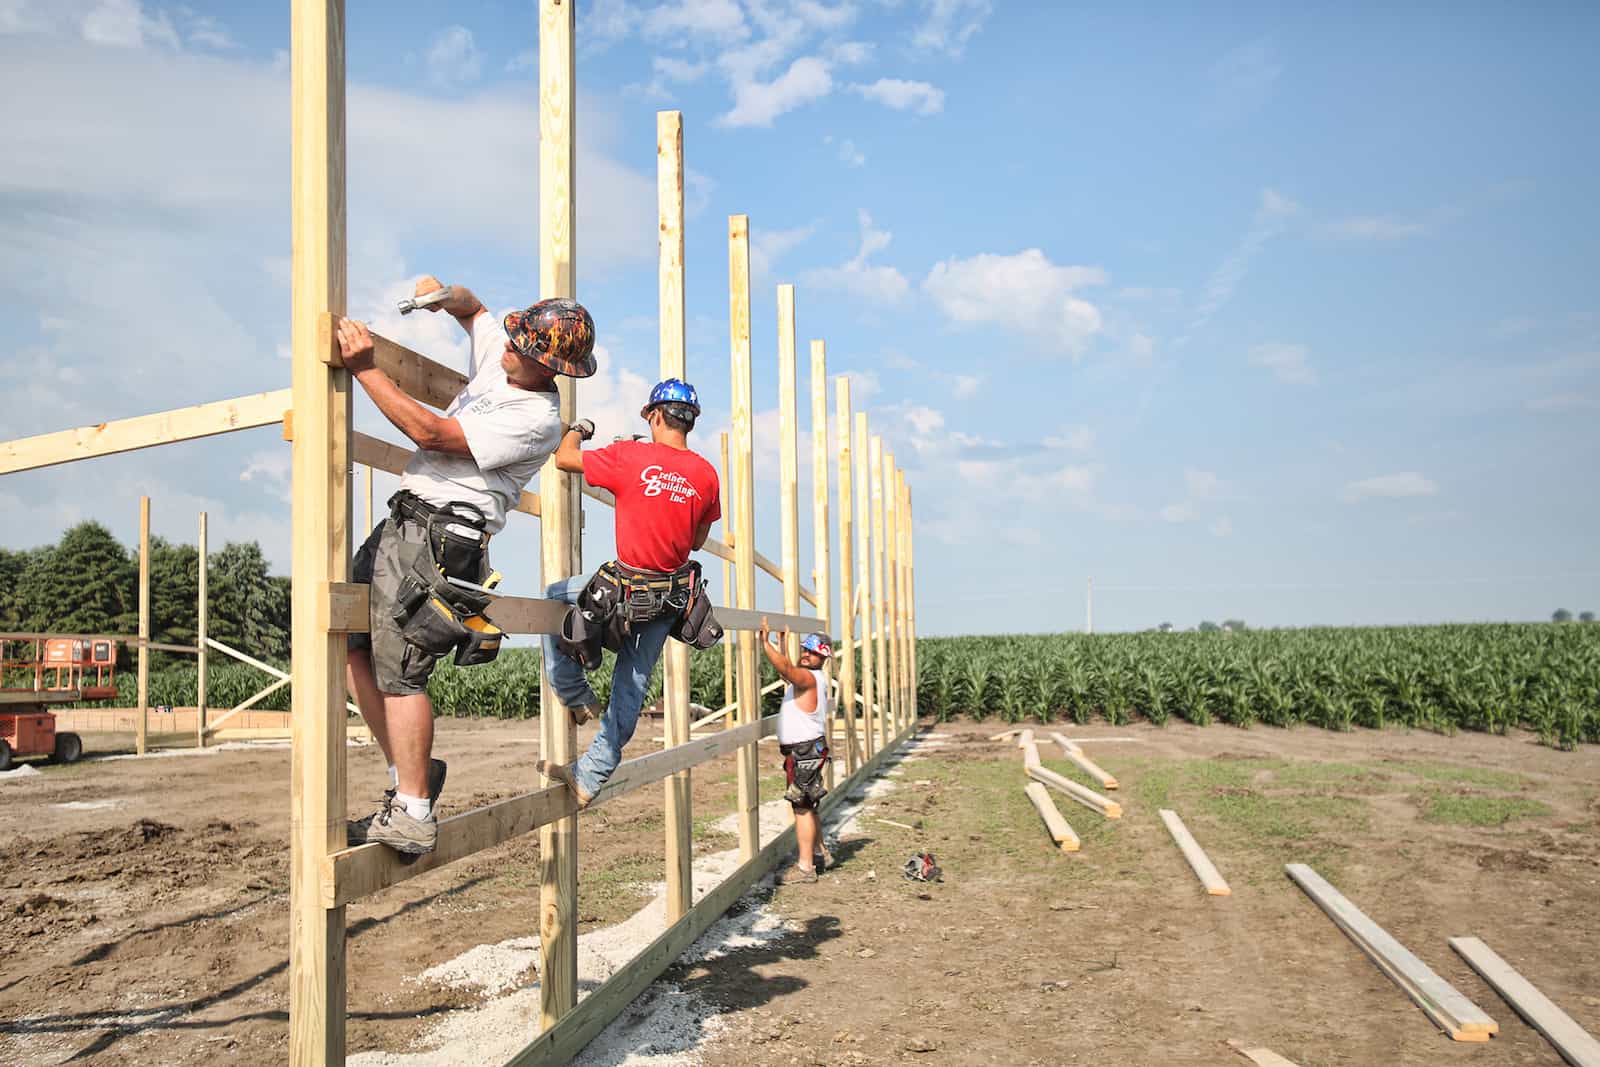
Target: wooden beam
column 1438, row 999
column 891, row 564
column 847, row 579
column 1060, row 832
column 144, row 431
column 911, row 594
column 1262, row 1057
column 561, row 545
column 788, row 465
column 1024, row 738
column 821, row 572
column 202, row 654
column 320, row 518
column 565, row 1041
column 744, row 522
column 1087, row 765
column 678, row 810
column 377, row 453
column 869, row 679
column 1030, row 756
column 1082, row 794
column 742, row 620
column 246, row 705
column 879, row 600
column 727, row 571
column 347, row 611
column 142, row 725
column 1005, row 735
column 417, row 376
column 1539, row 1011
column 1204, row 869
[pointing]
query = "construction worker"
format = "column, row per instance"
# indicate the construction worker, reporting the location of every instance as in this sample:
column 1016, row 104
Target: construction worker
column 470, row 467
column 803, row 740
column 666, row 500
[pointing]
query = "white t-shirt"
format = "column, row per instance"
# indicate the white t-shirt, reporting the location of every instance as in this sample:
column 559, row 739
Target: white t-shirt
column 510, row 431
column 795, row 725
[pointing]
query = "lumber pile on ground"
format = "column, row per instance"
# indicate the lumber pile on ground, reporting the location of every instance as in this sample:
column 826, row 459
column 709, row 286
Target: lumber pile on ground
column 1087, row 765
column 1081, row 793
column 1439, row 1000
column 1541, row 1013
column 1204, row 869
column 1060, row 832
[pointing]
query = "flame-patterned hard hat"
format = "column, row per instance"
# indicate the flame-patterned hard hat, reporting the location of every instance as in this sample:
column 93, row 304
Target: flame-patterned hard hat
column 558, row 334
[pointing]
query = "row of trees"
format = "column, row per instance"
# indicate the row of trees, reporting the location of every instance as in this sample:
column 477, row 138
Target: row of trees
column 89, row 583
column 1563, row 615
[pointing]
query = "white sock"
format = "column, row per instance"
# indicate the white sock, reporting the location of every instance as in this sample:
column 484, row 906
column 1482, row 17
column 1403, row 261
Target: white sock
column 416, row 807
column 394, row 777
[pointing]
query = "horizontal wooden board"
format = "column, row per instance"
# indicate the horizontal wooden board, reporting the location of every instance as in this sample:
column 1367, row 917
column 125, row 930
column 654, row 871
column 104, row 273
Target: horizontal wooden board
column 1541, row 1013
column 1081, row 793
column 739, row 619
column 1060, row 831
column 1204, row 869
column 348, row 611
column 379, row 454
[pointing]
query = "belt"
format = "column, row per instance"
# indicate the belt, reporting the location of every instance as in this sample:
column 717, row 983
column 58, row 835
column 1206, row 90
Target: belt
column 800, row 746
column 408, row 505
column 653, row 581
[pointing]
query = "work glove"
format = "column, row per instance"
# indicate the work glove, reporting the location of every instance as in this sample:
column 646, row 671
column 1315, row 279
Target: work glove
column 584, row 427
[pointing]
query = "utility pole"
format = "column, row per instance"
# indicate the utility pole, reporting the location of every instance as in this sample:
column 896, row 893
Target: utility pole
column 1088, row 609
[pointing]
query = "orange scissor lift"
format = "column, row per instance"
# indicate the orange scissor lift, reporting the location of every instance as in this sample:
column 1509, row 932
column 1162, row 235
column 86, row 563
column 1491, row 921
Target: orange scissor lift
column 60, row 667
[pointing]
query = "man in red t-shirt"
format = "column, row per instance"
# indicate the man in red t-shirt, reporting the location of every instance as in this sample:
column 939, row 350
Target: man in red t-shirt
column 667, row 499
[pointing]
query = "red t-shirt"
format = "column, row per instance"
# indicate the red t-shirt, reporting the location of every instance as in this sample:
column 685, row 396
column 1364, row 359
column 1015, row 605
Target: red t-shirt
column 663, row 496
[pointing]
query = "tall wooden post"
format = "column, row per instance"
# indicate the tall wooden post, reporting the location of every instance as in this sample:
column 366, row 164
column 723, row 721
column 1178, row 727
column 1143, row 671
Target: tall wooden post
column 320, row 518
column 142, row 726
column 821, row 573
column 891, row 603
column 202, row 616
column 727, row 586
column 881, row 690
column 910, row 601
column 788, row 463
column 901, row 617
column 864, row 582
column 847, row 583
column 675, row 677
column 367, row 529
column 560, row 541
column 744, row 529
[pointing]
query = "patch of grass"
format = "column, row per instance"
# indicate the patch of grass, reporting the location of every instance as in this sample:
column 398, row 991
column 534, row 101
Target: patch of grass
column 1452, row 774
column 1269, row 821
column 617, row 888
column 1304, row 774
column 1474, row 809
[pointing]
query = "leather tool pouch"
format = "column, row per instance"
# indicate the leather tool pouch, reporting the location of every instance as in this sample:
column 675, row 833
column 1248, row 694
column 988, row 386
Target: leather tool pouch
column 434, row 614
column 698, row 626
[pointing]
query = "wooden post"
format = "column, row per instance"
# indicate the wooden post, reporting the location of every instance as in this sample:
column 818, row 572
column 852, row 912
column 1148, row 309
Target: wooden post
column 900, row 596
column 675, row 667
column 560, row 542
column 891, row 603
column 879, row 603
column 789, row 462
column 367, row 529
column 744, row 528
column 202, row 614
column 847, row 580
column 320, row 520
column 142, row 726
column 821, row 573
column 911, row 600
column 864, row 582
column 727, row 588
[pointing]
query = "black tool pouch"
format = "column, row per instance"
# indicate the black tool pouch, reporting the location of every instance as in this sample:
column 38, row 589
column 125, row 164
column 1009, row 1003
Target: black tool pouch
column 579, row 641
column 698, row 626
column 434, row 627
column 459, row 542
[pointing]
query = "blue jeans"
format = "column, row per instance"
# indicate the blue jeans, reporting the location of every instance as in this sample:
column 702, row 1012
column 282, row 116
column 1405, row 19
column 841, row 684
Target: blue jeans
column 628, row 683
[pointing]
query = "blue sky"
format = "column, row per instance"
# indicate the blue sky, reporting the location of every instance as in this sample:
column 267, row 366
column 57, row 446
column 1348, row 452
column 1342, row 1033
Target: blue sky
column 1280, row 315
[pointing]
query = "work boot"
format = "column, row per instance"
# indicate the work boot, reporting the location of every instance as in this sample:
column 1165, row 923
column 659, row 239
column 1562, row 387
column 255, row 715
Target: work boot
column 582, row 713
column 562, row 773
column 798, row 875
column 825, row 860
column 394, row 826
column 356, row 829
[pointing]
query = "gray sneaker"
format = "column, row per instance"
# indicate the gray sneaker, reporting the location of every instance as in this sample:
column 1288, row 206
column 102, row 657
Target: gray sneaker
column 394, row 827
column 356, row 829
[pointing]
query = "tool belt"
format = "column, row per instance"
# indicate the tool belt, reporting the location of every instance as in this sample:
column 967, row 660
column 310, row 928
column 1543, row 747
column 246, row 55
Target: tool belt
column 620, row 598
column 436, row 614
column 817, row 746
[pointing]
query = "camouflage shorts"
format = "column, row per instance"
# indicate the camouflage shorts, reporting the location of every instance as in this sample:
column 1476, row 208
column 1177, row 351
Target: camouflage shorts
column 400, row 667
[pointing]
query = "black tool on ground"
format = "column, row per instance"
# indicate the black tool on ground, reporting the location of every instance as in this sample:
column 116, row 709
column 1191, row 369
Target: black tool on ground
column 922, row 868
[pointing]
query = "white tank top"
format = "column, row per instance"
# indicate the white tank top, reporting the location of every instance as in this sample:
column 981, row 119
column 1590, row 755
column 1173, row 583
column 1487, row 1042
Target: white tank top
column 795, row 725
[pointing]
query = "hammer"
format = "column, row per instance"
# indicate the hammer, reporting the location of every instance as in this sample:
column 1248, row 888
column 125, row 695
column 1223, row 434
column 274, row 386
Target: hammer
column 427, row 300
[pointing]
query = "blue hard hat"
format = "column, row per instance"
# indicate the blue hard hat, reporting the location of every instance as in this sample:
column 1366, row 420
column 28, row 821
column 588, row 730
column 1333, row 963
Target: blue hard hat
column 674, row 391
column 818, row 643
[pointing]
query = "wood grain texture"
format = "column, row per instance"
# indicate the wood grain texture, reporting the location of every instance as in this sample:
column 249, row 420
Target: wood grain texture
column 1438, row 999
column 1574, row 1043
column 1082, row 794
column 377, row 453
column 202, row 618
column 1060, row 832
column 1203, row 868
column 142, row 723
column 847, row 579
column 869, row 658
column 1262, row 1057
column 744, row 522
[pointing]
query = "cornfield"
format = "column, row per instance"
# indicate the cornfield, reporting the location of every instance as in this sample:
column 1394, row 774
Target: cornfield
column 1544, row 677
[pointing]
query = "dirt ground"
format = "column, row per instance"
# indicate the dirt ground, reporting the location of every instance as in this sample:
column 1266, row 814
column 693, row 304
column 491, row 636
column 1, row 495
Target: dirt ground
column 147, row 905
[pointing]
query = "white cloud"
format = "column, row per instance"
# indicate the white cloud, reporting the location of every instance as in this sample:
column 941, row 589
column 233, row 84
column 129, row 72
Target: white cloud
column 453, row 58
column 1242, row 81
column 861, row 278
column 757, row 103
column 851, row 53
column 901, row 95
column 1404, row 484
column 864, row 385
column 948, row 25
column 850, row 155
column 1177, row 513
column 1141, row 347
column 1373, row 228
column 768, row 246
column 1203, row 485
column 1288, row 363
column 124, row 24
column 679, row 70
column 823, row 16
column 1222, row 527
column 1076, row 479
column 1074, row 439
column 925, row 420
column 718, row 19
column 965, row 385
column 1024, row 291
column 1270, row 217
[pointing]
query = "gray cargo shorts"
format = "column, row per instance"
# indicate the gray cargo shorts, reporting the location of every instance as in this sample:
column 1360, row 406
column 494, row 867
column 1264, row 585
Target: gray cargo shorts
column 400, row 667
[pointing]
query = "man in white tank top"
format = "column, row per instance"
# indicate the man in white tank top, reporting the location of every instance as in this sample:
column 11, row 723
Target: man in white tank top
column 803, row 740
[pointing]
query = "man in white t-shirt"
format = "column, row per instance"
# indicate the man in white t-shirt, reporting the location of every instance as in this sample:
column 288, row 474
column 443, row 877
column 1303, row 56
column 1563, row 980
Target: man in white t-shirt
column 803, row 740
column 469, row 470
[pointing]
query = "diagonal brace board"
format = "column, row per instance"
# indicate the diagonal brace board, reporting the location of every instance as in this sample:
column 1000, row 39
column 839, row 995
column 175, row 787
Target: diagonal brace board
column 1559, row 1028
column 353, row 873
column 417, row 376
column 1438, row 999
column 145, row 431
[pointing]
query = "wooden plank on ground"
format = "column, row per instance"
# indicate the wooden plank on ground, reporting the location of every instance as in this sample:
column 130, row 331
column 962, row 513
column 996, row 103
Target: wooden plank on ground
column 1438, row 999
column 1030, row 755
column 1262, row 1057
column 1540, row 1012
column 1081, row 793
column 1005, row 735
column 1060, row 832
column 1087, row 765
column 1025, row 738
column 1203, row 867
column 1067, row 744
